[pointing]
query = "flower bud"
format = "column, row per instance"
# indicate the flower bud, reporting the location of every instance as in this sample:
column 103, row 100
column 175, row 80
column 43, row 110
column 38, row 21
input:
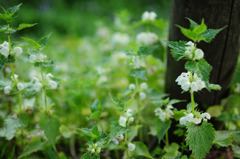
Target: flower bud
column 144, row 86
column 7, row 89
column 20, row 86
column 131, row 147
column 198, row 54
column 17, row 51
column 52, row 84
column 142, row 96
column 122, row 121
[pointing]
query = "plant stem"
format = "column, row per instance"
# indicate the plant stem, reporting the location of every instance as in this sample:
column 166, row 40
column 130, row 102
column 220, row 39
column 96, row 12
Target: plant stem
column 166, row 136
column 192, row 94
column 12, row 70
column 139, row 111
column 44, row 89
column 126, row 142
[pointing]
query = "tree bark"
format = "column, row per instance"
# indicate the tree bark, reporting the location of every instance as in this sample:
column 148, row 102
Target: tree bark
column 221, row 53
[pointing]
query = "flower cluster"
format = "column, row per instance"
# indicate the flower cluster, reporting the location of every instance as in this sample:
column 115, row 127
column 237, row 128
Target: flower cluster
column 120, row 39
column 195, row 84
column 192, row 53
column 147, row 38
column 37, row 58
column 51, row 83
column 149, row 16
column 126, row 118
column 119, row 138
column 4, row 50
column 164, row 114
column 196, row 120
column 143, row 88
column 94, row 148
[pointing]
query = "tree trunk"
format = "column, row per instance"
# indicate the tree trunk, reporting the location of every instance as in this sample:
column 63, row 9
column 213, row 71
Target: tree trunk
column 221, row 53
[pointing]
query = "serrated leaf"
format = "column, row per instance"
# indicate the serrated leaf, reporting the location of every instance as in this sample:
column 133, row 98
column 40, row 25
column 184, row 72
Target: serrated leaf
column 14, row 9
column 4, row 61
column 201, row 68
column 215, row 110
column 209, row 34
column 91, row 132
column 223, row 138
column 193, row 24
column 129, row 103
column 118, row 103
column 236, row 151
column 200, row 28
column 141, row 150
column 11, row 125
column 162, row 128
column 50, row 126
column 34, row 145
column 7, row 16
column 44, row 64
column 33, row 43
column 177, row 49
column 116, row 130
column 4, row 83
column 24, row 25
column 43, row 41
column 94, row 115
column 200, row 139
column 138, row 73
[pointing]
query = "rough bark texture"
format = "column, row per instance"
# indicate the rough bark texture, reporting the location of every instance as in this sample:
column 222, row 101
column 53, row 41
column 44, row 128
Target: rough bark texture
column 221, row 53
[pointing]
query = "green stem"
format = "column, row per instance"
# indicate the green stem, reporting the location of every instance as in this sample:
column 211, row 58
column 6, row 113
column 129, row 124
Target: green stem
column 166, row 136
column 44, row 89
column 192, row 94
column 126, row 142
column 139, row 110
column 12, row 70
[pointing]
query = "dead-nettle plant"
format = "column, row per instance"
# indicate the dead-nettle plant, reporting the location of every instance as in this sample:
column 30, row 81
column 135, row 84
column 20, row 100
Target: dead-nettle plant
column 14, row 87
column 200, row 133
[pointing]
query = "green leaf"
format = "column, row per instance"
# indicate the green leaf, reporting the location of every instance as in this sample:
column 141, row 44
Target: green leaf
column 201, row 68
column 33, row 43
column 50, row 126
column 200, row 28
column 7, row 16
column 87, row 155
column 162, row 128
column 145, row 50
column 236, row 151
column 11, row 125
column 158, row 51
column 95, row 106
column 171, row 151
column 4, row 61
column 209, row 34
column 215, row 87
column 193, row 24
column 129, row 103
column 44, row 64
column 177, row 49
column 118, row 103
column 34, row 145
column 223, row 138
column 138, row 73
column 133, row 132
column 43, row 41
column 4, row 83
column 116, row 130
column 141, row 150
column 14, row 9
column 215, row 110
column 94, row 115
column 158, row 23
column 200, row 138
column 3, row 27
column 91, row 132
column 23, row 26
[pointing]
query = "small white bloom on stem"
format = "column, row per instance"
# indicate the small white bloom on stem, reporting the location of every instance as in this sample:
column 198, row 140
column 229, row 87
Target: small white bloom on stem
column 144, row 86
column 131, row 147
column 20, row 86
column 122, row 121
column 52, row 84
column 149, row 16
column 129, row 112
column 32, row 58
column 198, row 54
column 7, row 89
column 17, row 51
column 142, row 96
column 115, row 141
column 4, row 51
column 132, row 86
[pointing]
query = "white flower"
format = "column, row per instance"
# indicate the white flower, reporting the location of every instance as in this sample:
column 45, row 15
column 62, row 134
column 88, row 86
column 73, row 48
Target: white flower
column 131, row 119
column 41, row 57
column 120, row 39
column 49, row 75
column 136, row 62
column 131, row 147
column 189, row 118
column 198, row 54
column 115, row 141
column 32, row 58
column 93, row 150
column 16, row 77
column 98, row 149
column 144, row 86
column 7, row 89
column 146, row 38
column 52, row 84
column 205, row 116
column 20, row 86
column 121, row 137
column 122, row 121
column 37, row 86
column 132, row 86
column 5, row 51
column 129, row 112
column 183, row 120
column 195, row 85
column 142, row 96
column 4, row 44
column 17, row 51
column 149, row 16
column 164, row 114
